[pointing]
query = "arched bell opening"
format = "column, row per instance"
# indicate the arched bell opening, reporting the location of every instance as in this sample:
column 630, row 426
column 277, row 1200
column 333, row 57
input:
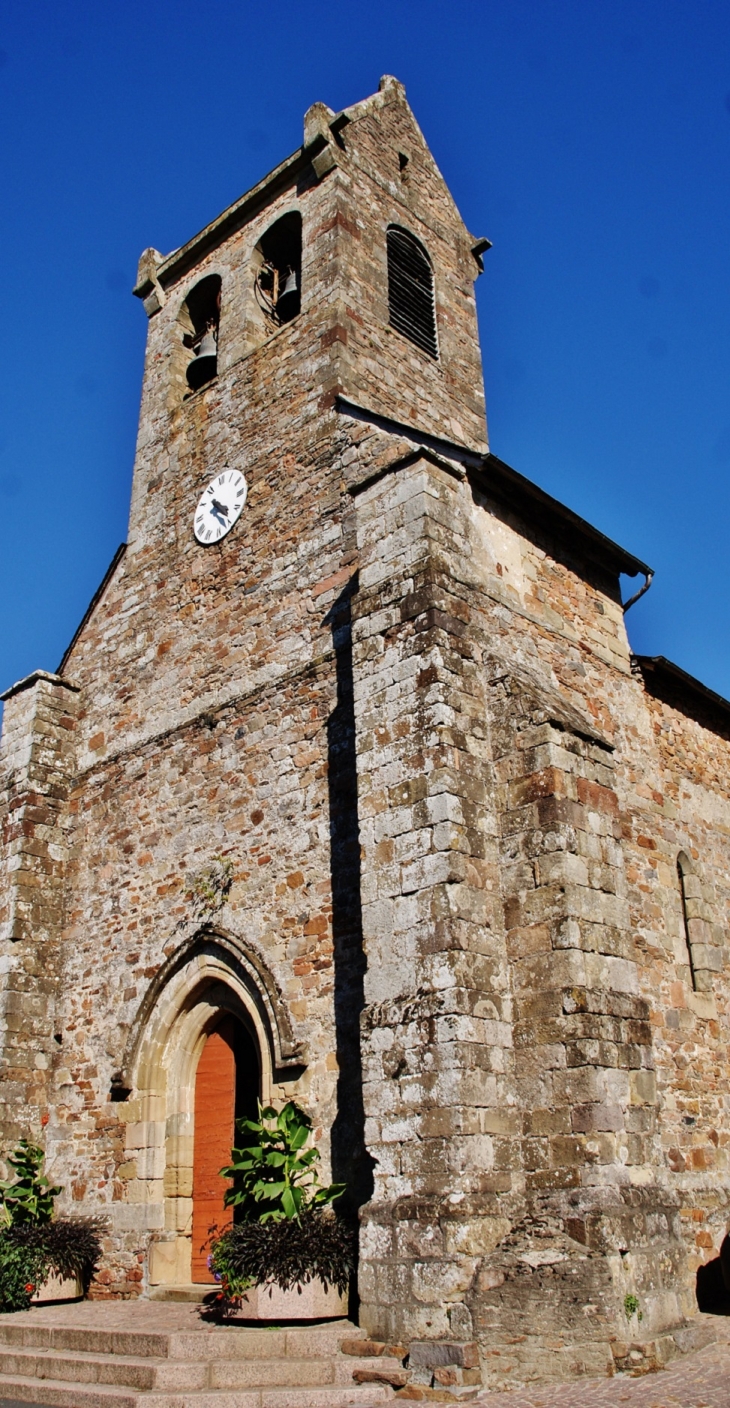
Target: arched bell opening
column 199, row 321
column 277, row 275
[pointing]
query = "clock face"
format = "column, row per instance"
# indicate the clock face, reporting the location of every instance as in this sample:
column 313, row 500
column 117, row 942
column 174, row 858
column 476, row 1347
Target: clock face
column 219, row 506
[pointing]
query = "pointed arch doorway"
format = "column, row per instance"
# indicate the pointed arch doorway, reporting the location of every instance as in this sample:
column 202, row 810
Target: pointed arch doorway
column 227, row 1088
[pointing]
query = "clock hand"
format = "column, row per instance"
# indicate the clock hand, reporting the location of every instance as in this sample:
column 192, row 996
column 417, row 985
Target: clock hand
column 219, row 508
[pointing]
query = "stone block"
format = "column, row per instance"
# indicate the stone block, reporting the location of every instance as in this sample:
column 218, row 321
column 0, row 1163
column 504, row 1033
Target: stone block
column 432, row 1354
column 169, row 1262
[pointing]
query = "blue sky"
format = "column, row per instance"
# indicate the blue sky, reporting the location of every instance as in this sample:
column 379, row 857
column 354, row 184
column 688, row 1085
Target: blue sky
column 590, row 141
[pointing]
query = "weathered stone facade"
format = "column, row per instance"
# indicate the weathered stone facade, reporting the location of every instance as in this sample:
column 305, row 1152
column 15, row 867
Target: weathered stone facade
column 397, row 702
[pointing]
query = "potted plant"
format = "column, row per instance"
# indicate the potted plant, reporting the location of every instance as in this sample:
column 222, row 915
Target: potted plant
column 287, row 1255
column 40, row 1259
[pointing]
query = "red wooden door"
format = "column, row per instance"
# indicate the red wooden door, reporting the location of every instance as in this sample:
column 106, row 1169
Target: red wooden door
column 215, row 1106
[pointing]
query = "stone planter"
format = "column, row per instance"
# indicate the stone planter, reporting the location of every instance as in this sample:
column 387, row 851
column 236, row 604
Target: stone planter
column 313, row 1302
column 58, row 1288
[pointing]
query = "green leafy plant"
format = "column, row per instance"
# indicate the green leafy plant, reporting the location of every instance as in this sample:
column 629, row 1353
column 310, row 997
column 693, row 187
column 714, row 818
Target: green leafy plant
column 631, row 1306
column 29, row 1197
column 274, row 1177
column 286, row 1232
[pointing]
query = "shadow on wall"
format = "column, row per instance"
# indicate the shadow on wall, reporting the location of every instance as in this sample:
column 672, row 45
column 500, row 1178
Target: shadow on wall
column 713, row 1283
column 351, row 1163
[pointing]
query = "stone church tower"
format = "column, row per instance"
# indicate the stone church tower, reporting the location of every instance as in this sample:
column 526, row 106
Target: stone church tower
column 349, row 790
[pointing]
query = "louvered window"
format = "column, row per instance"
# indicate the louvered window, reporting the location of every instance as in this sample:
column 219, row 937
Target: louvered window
column 410, row 290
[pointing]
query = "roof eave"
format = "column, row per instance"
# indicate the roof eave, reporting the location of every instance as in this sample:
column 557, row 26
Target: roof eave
column 507, row 483
column 683, row 682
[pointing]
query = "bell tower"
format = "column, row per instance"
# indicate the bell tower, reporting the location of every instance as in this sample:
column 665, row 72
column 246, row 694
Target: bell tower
column 343, row 279
column 357, row 237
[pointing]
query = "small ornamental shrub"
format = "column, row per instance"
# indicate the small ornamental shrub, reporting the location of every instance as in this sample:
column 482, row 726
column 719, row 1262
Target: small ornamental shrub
column 285, row 1253
column 22, row 1270
column 32, row 1246
column 286, row 1232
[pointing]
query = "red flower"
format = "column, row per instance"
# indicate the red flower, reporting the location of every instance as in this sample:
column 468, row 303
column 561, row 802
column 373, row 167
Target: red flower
column 29, row 1288
column 44, row 1119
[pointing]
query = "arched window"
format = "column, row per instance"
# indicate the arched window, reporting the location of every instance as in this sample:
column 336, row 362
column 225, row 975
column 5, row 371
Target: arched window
column 411, row 308
column 685, row 874
column 278, row 270
column 200, row 316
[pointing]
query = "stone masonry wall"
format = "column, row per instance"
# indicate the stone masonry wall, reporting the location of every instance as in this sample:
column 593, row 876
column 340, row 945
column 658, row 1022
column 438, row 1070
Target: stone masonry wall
column 441, row 1118
column 678, row 803
column 37, row 762
column 670, row 782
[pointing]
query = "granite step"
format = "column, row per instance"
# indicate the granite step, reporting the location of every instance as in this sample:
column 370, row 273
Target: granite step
column 169, row 1374
column 207, row 1342
column 29, row 1333
column 111, row 1355
column 59, row 1393
column 119, row 1370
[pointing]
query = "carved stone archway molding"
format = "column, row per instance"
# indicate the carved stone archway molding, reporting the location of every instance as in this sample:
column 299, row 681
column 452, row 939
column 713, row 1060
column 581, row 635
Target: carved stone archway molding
column 247, row 964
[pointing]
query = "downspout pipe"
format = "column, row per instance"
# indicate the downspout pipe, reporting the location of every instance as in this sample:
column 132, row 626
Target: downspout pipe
column 648, row 579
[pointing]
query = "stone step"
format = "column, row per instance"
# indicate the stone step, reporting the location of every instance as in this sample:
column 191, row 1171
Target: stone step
column 168, row 1374
column 119, row 1370
column 289, row 1397
column 239, row 1342
column 138, row 1356
column 186, row 1295
column 304, row 1373
column 22, row 1331
column 208, row 1342
column 59, row 1393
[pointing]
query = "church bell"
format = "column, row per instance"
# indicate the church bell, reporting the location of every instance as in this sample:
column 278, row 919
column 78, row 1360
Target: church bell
column 288, row 299
column 205, row 362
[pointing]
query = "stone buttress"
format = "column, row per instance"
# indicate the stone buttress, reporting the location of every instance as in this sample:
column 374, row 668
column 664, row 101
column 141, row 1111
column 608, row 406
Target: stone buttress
column 509, row 1084
column 37, row 765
